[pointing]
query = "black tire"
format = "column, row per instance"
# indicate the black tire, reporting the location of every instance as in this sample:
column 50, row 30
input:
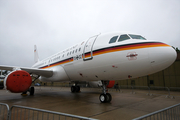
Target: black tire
column 103, row 98
column 77, row 88
column 31, row 90
column 24, row 92
column 109, row 97
column 73, row 89
column 1, row 87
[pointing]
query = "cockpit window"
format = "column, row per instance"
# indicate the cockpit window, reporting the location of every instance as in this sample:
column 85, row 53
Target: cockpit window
column 136, row 37
column 113, row 39
column 123, row 37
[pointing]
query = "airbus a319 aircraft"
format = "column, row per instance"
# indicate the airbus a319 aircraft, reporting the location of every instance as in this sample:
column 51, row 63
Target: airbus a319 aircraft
column 100, row 60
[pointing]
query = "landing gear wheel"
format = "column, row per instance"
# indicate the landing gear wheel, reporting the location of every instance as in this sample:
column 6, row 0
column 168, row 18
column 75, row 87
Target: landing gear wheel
column 109, row 97
column 103, row 98
column 31, row 90
column 73, row 89
column 24, row 93
column 77, row 89
column 1, row 87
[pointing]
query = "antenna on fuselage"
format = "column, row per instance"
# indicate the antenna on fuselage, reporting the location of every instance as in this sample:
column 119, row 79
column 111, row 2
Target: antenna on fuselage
column 36, row 56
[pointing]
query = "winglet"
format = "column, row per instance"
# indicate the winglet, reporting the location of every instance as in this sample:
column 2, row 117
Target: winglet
column 36, row 57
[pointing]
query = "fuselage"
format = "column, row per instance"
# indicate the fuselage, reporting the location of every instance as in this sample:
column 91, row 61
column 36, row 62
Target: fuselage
column 111, row 56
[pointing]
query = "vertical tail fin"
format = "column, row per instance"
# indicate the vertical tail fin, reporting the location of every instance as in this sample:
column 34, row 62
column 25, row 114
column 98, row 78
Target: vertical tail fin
column 36, row 57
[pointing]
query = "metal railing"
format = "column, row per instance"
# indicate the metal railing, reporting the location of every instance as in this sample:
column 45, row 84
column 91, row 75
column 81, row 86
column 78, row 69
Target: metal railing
column 27, row 113
column 4, row 110
column 169, row 113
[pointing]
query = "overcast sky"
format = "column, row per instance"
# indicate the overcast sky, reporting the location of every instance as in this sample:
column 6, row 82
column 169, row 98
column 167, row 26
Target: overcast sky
column 54, row 25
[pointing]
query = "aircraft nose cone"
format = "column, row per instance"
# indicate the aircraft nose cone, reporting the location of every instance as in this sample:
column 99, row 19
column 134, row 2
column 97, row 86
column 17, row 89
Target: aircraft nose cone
column 161, row 57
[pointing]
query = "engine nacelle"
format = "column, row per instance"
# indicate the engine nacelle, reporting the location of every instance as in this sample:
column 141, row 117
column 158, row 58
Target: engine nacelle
column 18, row 81
column 110, row 84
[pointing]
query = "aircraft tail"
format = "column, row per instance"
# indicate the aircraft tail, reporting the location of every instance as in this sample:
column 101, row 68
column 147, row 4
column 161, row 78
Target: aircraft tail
column 36, row 57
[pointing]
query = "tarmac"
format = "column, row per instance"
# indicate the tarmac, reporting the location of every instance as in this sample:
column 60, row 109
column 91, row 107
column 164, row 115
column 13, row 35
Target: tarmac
column 125, row 105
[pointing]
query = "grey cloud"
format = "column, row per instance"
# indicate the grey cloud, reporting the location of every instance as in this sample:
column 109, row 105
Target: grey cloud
column 56, row 25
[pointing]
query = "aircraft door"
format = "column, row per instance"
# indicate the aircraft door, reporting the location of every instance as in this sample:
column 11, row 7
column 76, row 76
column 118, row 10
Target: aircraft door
column 88, row 47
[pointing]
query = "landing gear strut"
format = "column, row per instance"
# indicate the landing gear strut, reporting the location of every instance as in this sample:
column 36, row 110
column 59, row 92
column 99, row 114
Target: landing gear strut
column 105, row 97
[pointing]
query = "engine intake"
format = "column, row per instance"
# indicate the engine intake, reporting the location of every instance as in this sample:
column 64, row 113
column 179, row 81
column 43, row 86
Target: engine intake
column 18, row 81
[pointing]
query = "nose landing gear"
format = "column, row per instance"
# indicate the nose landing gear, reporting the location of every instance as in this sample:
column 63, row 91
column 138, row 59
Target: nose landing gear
column 105, row 97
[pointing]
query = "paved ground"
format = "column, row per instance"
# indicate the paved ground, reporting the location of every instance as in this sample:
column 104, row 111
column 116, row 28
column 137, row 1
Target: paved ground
column 124, row 105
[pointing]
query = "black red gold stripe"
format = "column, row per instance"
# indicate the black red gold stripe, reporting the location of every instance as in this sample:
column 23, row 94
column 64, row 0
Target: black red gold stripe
column 58, row 63
column 126, row 47
column 112, row 49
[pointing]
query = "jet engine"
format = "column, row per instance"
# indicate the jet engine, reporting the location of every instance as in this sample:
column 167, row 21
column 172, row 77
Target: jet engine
column 109, row 84
column 17, row 81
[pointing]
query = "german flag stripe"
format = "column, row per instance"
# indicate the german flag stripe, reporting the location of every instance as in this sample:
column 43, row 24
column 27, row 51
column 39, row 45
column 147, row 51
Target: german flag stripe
column 58, row 63
column 126, row 47
column 87, row 54
column 112, row 49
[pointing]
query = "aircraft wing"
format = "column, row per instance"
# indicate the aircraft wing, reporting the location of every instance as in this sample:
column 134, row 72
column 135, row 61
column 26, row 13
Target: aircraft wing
column 41, row 72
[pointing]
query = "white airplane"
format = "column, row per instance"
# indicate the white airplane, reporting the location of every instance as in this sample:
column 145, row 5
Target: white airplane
column 99, row 60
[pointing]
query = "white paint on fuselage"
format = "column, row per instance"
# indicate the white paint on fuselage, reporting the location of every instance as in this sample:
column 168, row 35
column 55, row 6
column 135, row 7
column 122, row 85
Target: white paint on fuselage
column 108, row 66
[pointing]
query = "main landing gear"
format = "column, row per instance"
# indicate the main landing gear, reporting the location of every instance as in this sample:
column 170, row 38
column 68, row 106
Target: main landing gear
column 30, row 90
column 105, row 97
column 75, row 88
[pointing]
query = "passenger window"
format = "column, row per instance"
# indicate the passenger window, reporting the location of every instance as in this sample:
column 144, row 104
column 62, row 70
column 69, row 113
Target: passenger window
column 123, row 37
column 76, row 50
column 79, row 49
column 113, row 39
